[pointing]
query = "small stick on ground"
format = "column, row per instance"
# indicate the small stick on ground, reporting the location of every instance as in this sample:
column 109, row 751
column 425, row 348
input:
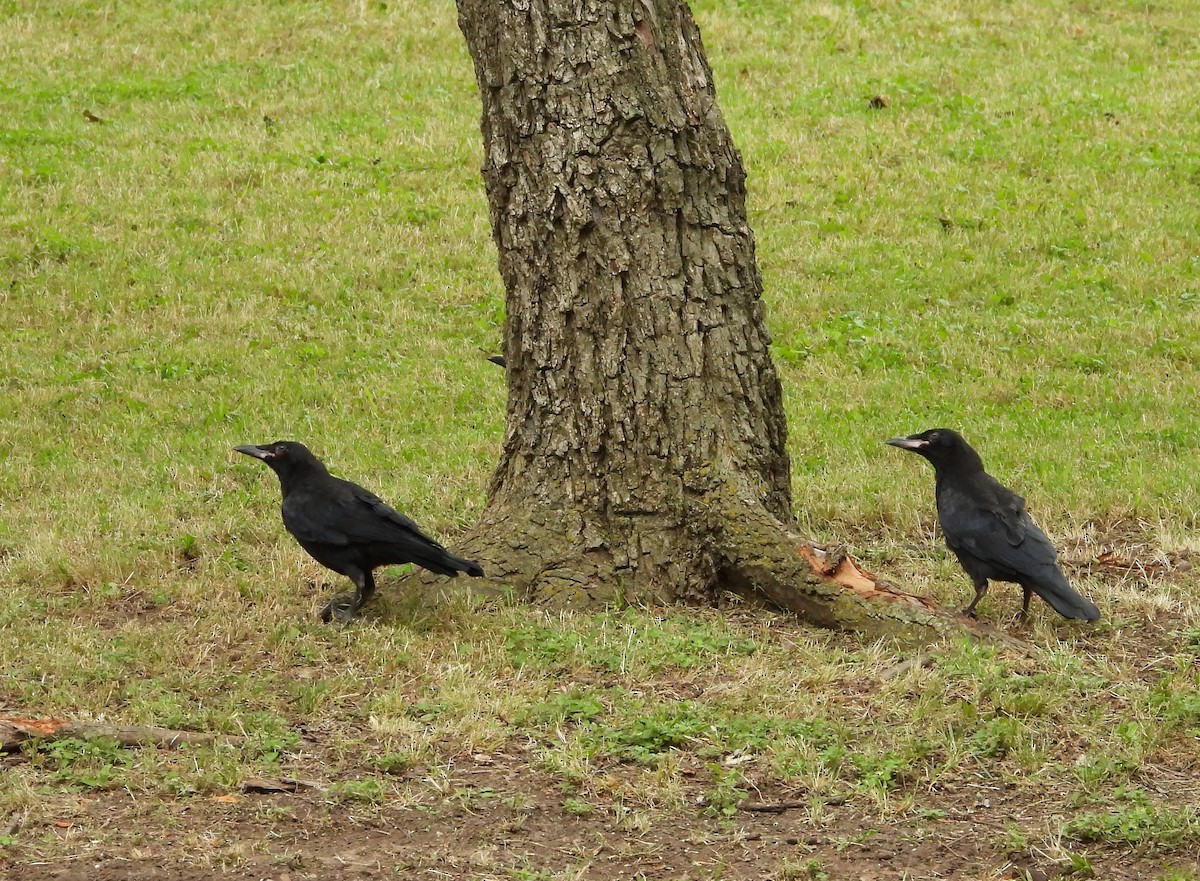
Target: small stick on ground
column 14, row 823
column 918, row 662
column 778, row 807
column 15, row 730
column 283, row 784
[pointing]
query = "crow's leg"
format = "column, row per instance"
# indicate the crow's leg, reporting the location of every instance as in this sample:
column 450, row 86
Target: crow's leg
column 366, row 590
column 345, row 606
column 1025, row 603
column 981, row 587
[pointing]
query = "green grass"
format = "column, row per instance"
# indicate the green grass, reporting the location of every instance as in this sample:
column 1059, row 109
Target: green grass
column 279, row 230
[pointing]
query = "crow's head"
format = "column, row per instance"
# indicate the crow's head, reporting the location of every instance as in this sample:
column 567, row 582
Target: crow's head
column 943, row 447
column 284, row 457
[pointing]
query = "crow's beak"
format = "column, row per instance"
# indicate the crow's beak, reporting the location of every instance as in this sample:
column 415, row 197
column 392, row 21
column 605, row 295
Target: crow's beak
column 251, row 450
column 908, row 443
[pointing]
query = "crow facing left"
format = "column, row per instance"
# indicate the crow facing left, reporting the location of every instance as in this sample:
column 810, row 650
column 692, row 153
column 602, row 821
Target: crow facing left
column 347, row 528
column 986, row 525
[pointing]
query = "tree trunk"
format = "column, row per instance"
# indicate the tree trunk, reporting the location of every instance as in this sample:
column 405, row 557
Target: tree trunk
column 645, row 454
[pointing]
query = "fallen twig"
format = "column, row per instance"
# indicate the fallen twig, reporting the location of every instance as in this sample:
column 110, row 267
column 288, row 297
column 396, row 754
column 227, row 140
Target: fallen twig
column 15, row 730
column 778, row 807
column 919, row 662
column 283, row 784
column 14, row 823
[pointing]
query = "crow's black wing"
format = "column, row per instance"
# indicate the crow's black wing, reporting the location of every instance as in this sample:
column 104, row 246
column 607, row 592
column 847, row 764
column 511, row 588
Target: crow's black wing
column 316, row 517
column 989, row 521
column 383, row 522
column 338, row 512
column 406, row 540
column 342, row 514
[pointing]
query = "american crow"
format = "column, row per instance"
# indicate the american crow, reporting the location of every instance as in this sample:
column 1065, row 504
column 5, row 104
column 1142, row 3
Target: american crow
column 499, row 360
column 986, row 526
column 347, row 528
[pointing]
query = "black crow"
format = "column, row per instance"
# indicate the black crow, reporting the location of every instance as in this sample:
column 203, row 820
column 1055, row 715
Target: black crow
column 986, row 526
column 346, row 528
column 499, row 360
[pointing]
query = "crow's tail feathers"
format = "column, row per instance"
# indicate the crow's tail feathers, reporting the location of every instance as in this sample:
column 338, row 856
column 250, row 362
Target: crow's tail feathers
column 469, row 566
column 1052, row 586
column 445, row 563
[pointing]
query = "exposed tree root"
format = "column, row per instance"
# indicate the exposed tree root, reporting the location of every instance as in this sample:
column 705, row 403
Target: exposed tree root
column 553, row 558
column 529, row 558
column 15, row 730
column 730, row 544
column 746, row 549
column 828, row 588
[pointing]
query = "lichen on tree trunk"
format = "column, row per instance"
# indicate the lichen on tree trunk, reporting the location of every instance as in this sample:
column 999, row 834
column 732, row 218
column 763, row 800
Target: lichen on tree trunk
column 645, row 454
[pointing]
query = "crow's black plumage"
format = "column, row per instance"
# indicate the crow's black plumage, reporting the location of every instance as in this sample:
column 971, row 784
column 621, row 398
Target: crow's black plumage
column 346, row 528
column 499, row 360
column 987, row 527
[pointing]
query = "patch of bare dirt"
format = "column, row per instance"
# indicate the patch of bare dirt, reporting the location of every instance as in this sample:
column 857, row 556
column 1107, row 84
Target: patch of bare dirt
column 507, row 821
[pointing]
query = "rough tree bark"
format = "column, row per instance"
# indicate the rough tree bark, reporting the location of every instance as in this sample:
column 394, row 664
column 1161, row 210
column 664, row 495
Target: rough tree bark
column 645, row 453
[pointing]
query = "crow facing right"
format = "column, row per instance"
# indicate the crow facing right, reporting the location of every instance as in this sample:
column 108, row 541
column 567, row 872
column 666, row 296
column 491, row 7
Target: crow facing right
column 987, row 527
column 347, row 528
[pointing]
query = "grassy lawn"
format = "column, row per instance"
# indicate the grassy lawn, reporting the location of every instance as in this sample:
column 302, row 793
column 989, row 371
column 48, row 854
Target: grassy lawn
column 229, row 223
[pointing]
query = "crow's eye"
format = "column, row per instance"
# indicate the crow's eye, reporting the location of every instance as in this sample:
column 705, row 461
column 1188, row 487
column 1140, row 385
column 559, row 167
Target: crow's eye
column 935, row 436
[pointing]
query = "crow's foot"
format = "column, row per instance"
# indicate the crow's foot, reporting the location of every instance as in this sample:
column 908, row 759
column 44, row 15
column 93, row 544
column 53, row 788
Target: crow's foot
column 341, row 608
